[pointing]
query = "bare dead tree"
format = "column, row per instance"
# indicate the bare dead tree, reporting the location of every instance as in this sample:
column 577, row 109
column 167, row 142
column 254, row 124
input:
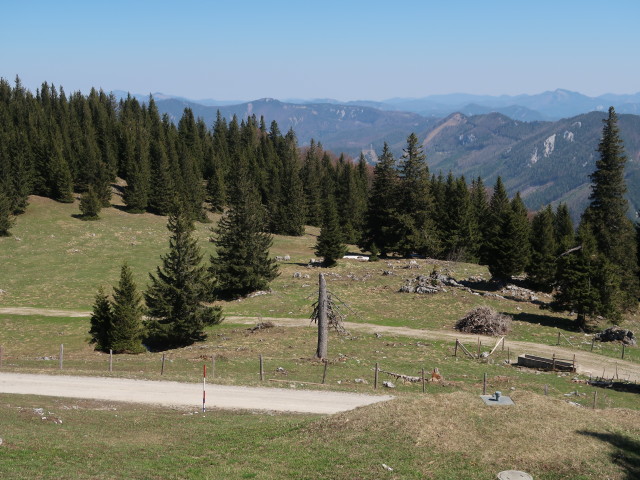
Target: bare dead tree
column 326, row 314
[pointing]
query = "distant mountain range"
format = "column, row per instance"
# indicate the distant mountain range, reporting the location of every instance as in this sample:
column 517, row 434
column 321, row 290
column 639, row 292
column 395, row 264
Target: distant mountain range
column 542, row 145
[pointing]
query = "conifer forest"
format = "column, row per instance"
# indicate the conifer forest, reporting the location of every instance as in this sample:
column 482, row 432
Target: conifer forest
column 63, row 146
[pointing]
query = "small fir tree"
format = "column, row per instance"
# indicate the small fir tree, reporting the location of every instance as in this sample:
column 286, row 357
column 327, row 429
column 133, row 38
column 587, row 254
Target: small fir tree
column 242, row 264
column 101, row 322
column 127, row 311
column 90, row 204
column 329, row 244
column 175, row 299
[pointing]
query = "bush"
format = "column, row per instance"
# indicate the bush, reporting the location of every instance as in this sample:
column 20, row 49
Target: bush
column 484, row 321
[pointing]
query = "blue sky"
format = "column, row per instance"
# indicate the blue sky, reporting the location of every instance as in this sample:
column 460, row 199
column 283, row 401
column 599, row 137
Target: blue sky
column 345, row 49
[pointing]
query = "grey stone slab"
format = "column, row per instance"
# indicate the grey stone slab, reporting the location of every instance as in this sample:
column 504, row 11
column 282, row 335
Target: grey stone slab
column 491, row 400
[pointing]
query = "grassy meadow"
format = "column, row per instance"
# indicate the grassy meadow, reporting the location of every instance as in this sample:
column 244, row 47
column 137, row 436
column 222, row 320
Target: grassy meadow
column 55, row 261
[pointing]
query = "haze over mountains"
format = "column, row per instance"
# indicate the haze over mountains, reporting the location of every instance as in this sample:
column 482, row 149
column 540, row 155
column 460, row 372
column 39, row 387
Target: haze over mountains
column 542, row 145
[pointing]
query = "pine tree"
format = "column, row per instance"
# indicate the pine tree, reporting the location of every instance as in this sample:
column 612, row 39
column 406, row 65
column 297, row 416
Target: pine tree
column 101, row 322
column 127, row 311
column 175, row 299
column 90, row 204
column 330, row 245
column 242, row 264
column 541, row 270
column 6, row 218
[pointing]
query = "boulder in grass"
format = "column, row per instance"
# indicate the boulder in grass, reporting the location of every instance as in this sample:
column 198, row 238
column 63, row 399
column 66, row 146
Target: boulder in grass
column 484, row 321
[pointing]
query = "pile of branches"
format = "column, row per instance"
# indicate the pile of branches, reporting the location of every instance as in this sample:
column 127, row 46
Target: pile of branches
column 484, row 321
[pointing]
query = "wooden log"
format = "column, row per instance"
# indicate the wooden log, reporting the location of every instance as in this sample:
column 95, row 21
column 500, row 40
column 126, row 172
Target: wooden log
column 496, row 345
column 464, row 349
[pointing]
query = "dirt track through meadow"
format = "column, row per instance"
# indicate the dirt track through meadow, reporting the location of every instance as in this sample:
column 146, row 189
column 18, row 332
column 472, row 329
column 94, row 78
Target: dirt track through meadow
column 588, row 363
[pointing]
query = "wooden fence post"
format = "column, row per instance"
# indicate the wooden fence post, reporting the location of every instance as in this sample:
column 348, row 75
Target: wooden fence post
column 479, row 343
column 423, row 383
column 162, row 368
column 558, row 339
column 503, row 344
column 261, row 369
column 553, row 366
column 623, row 345
column 375, row 378
column 455, row 350
column 60, row 357
column 110, row 360
column 546, row 389
column 592, row 342
column 508, row 355
column 484, row 385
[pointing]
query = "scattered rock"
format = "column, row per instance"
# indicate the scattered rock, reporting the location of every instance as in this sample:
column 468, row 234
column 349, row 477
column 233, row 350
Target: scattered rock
column 387, row 467
column 434, row 283
column 281, row 371
column 387, row 273
column 519, row 293
column 388, row 384
column 361, row 380
column 615, row 334
column 258, row 293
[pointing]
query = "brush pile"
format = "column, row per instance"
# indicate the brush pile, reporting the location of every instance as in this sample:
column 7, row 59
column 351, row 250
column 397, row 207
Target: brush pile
column 484, row 321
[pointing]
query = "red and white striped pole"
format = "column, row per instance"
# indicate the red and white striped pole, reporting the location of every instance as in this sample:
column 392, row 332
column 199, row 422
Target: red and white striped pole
column 204, row 385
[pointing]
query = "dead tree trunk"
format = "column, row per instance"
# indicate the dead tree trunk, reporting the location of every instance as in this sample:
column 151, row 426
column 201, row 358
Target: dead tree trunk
column 323, row 323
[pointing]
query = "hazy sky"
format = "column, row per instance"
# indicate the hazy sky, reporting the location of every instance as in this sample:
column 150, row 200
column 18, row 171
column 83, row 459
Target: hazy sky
column 344, row 49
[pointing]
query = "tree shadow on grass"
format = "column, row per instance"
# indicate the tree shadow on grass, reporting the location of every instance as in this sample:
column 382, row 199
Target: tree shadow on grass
column 546, row 321
column 626, row 455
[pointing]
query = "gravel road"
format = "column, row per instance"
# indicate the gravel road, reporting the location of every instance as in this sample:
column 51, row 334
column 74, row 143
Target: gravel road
column 187, row 395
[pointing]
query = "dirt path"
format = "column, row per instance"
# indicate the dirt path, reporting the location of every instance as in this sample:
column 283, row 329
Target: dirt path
column 186, row 395
column 588, row 363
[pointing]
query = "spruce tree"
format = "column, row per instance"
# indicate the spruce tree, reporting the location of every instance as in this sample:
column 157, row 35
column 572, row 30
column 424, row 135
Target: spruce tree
column 127, row 311
column 587, row 282
column 242, row 264
column 101, row 322
column 6, row 218
column 607, row 212
column 382, row 207
column 330, row 245
column 541, row 270
column 417, row 202
column 175, row 299
column 90, row 204
column 563, row 229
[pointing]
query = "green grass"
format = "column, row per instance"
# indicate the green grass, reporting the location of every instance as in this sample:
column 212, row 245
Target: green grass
column 57, row 261
column 448, row 436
